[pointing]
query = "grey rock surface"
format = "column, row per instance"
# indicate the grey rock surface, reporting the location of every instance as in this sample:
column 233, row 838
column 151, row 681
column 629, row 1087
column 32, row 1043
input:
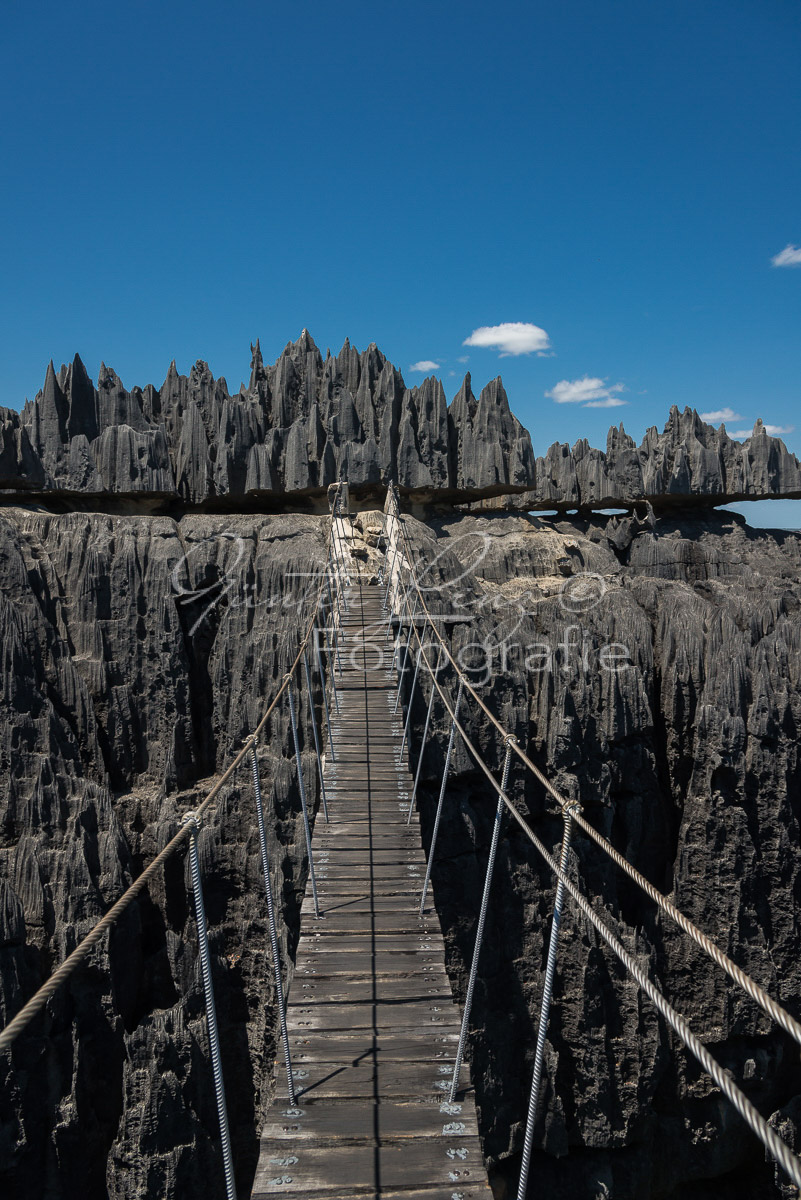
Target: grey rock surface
column 686, row 756
column 307, row 421
column 138, row 651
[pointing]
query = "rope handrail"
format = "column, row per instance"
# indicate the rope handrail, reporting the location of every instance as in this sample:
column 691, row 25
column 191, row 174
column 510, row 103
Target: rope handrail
column 779, row 1149
column 771, row 1007
column 81, row 952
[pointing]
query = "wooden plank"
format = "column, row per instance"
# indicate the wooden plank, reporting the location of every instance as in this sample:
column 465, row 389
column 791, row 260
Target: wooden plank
column 413, row 1014
column 365, row 967
column 369, row 856
column 382, row 922
column 387, row 1079
column 353, row 890
column 328, row 957
column 383, row 943
column 342, row 990
column 363, row 1167
column 332, row 907
column 331, row 1121
column 344, row 1047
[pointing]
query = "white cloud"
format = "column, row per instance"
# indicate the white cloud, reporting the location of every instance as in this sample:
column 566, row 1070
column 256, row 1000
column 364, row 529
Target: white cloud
column 425, row 364
column 771, row 430
column 790, row 256
column 590, row 391
column 721, row 414
column 464, row 358
column 511, row 338
column 778, row 430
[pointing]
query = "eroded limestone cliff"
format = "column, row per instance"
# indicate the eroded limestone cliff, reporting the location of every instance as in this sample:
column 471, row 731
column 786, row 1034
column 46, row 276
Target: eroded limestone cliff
column 137, row 654
column 308, row 421
column 686, row 757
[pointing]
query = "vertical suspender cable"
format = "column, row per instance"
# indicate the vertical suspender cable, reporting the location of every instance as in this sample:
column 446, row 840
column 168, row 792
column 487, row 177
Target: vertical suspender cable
column 411, row 698
column 268, row 891
column 545, row 1008
column 334, row 659
column 391, row 570
column 441, row 795
column 423, row 740
column 302, row 789
column 193, row 821
column 314, row 731
column 482, row 917
column 406, row 655
column 320, row 672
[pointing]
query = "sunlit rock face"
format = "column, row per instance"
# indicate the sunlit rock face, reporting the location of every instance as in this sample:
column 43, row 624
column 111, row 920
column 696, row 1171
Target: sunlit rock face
column 308, row 421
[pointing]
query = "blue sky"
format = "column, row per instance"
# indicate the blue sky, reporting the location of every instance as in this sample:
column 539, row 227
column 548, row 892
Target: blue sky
column 618, row 174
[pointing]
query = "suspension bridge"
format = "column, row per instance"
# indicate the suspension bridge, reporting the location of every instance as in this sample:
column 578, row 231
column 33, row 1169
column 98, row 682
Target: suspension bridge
column 372, row 1095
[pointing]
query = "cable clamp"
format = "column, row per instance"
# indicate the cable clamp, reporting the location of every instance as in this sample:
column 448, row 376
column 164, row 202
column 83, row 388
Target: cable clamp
column 510, row 740
column 193, row 819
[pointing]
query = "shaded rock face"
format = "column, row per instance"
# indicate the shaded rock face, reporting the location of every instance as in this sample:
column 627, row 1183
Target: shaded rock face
column 687, row 758
column 137, row 653
column 307, row 421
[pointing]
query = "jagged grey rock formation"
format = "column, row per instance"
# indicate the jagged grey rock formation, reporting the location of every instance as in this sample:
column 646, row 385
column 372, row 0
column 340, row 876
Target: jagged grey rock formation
column 307, row 421
column 689, row 460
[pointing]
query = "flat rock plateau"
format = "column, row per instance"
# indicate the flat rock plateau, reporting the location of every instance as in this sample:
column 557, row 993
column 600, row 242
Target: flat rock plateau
column 158, row 549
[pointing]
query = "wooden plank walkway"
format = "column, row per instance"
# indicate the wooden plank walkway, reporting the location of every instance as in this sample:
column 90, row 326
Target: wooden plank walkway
column 372, row 1023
